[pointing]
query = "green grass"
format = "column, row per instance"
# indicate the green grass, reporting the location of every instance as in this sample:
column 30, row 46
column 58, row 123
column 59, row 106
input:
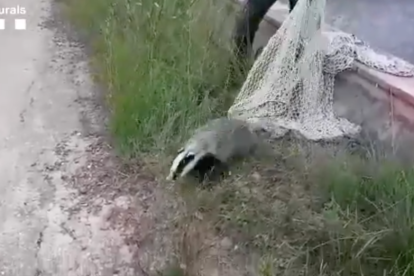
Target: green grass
column 165, row 64
column 378, row 206
column 342, row 217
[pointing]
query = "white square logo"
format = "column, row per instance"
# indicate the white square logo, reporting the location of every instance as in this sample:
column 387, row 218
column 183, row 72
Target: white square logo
column 20, row 24
column 2, row 24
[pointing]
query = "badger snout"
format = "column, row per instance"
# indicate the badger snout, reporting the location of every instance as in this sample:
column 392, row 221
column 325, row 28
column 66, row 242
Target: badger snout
column 171, row 177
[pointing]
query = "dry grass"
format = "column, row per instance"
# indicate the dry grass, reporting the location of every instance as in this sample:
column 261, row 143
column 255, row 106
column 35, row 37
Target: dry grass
column 342, row 216
column 165, row 65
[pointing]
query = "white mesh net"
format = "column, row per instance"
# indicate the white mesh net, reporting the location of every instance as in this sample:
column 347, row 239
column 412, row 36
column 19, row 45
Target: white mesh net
column 291, row 84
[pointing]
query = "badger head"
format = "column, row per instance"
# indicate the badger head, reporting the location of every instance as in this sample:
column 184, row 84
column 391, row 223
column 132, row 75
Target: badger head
column 183, row 163
column 191, row 161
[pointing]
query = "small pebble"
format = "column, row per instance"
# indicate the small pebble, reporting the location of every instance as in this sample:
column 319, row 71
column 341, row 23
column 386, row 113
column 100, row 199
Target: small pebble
column 226, row 243
column 256, row 176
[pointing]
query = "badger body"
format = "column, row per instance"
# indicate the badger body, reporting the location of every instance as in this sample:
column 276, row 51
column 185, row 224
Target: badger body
column 214, row 145
column 224, row 138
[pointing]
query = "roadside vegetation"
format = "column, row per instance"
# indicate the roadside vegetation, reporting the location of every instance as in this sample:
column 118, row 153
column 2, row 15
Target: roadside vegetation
column 166, row 66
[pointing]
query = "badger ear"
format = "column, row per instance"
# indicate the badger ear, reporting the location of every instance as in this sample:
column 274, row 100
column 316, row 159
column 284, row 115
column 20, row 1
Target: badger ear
column 180, row 150
column 190, row 154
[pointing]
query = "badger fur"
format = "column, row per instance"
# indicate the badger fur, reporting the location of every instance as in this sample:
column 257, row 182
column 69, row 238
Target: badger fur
column 212, row 146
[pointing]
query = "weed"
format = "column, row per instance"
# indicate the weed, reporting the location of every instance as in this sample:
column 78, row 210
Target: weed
column 164, row 63
column 378, row 203
column 343, row 217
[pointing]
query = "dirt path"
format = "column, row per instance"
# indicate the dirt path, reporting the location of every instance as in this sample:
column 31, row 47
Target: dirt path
column 59, row 191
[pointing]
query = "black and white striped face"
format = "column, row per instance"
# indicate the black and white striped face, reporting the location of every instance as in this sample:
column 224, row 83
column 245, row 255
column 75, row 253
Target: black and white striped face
column 182, row 164
column 199, row 164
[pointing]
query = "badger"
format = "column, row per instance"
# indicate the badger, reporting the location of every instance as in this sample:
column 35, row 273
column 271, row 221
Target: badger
column 213, row 146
